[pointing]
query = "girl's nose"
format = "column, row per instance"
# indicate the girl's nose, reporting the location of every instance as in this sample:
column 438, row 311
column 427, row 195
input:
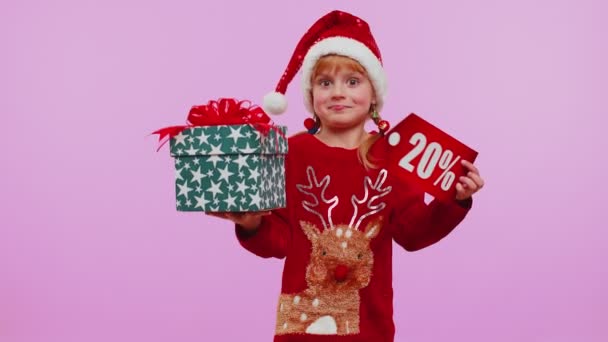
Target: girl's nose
column 337, row 91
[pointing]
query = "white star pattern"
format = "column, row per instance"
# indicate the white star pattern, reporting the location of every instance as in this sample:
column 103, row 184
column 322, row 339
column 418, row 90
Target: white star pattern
column 184, row 190
column 241, row 160
column 242, row 187
column 255, row 199
column 254, row 174
column 278, row 171
column 266, row 185
column 256, row 182
column 235, row 134
column 191, row 151
column 215, row 189
column 270, row 145
column 180, row 139
column 201, row 202
column 230, row 201
column 216, row 149
column 225, row 174
column 247, row 149
column 214, row 159
column 202, row 138
column 197, row 175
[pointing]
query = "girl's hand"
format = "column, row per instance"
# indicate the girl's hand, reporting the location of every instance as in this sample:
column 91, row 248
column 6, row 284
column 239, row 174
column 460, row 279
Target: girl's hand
column 247, row 220
column 470, row 183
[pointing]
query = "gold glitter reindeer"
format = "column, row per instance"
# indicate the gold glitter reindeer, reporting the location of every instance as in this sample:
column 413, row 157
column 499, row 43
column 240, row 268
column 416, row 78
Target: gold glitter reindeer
column 340, row 263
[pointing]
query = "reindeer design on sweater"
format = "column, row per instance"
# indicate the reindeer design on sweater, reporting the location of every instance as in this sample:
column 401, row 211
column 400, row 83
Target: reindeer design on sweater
column 340, row 263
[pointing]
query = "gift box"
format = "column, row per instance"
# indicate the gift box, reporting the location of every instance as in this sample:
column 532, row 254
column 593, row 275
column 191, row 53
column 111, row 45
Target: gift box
column 229, row 159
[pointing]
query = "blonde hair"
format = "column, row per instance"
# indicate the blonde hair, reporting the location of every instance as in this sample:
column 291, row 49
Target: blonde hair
column 335, row 63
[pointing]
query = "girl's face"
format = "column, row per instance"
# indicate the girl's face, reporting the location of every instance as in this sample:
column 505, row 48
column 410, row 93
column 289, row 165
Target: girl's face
column 342, row 94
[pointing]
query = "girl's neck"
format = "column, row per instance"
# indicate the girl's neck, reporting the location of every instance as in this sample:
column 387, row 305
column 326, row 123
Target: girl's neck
column 346, row 138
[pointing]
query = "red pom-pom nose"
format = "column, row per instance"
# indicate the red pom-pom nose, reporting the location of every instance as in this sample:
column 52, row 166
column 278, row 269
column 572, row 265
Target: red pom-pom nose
column 340, row 272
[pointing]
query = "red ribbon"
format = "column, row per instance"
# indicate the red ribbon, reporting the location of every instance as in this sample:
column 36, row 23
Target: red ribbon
column 225, row 111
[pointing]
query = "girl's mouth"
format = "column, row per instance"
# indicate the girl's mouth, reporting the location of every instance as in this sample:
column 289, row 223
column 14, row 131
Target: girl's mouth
column 337, row 108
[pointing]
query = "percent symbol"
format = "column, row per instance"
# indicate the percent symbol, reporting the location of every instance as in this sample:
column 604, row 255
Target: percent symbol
column 448, row 176
column 432, row 156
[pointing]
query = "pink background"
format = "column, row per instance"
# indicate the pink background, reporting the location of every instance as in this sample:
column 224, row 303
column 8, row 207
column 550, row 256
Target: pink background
column 92, row 248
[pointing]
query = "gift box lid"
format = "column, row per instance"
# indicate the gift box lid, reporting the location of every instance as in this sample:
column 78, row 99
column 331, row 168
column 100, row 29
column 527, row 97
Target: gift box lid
column 228, row 139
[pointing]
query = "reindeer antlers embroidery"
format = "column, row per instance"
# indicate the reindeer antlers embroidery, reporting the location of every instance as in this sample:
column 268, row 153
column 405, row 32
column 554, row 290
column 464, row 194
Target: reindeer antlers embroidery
column 311, row 189
column 372, row 192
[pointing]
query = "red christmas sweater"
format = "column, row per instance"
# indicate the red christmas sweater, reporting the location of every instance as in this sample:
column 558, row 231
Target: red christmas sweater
column 336, row 237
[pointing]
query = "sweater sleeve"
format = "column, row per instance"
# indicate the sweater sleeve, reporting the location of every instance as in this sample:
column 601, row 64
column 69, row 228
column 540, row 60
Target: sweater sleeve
column 270, row 239
column 418, row 225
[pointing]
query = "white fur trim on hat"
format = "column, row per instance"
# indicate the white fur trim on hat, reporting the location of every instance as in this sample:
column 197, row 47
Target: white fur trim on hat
column 275, row 103
column 345, row 47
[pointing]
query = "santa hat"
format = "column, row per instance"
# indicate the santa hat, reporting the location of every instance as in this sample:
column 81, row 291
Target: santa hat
column 337, row 33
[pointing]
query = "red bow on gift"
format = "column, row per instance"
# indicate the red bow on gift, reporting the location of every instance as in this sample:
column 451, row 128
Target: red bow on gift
column 222, row 112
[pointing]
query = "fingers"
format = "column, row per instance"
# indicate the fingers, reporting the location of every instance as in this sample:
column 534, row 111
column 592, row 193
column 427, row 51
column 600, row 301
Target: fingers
column 468, row 183
column 473, row 174
column 477, row 179
column 459, row 188
column 470, row 166
column 237, row 216
column 461, row 193
column 216, row 214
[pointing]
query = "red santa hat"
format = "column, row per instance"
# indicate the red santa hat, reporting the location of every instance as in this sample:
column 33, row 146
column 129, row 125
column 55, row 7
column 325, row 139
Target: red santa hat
column 337, row 33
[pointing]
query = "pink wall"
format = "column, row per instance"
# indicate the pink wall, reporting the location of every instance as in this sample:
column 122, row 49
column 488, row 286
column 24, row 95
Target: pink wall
column 92, row 249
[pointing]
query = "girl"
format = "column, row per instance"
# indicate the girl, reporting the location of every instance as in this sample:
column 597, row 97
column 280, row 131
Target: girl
column 344, row 207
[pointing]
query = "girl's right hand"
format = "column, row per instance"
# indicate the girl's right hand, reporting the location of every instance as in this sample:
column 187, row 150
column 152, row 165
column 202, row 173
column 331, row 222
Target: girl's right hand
column 247, row 220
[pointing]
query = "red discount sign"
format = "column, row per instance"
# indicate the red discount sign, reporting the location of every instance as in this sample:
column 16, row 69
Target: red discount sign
column 425, row 155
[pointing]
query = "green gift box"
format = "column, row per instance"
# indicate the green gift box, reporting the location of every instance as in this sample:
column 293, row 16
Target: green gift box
column 229, row 168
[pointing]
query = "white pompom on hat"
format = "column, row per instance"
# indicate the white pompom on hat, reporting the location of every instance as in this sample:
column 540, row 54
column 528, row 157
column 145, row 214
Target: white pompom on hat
column 336, row 33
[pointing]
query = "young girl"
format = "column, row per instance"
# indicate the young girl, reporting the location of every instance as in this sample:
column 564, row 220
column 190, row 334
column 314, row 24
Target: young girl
column 344, row 207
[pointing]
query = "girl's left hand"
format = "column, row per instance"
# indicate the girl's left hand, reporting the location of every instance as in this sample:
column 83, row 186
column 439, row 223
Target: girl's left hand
column 470, row 183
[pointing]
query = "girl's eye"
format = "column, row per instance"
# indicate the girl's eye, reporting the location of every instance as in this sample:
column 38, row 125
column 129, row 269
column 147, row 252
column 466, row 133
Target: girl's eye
column 324, row 83
column 353, row 81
